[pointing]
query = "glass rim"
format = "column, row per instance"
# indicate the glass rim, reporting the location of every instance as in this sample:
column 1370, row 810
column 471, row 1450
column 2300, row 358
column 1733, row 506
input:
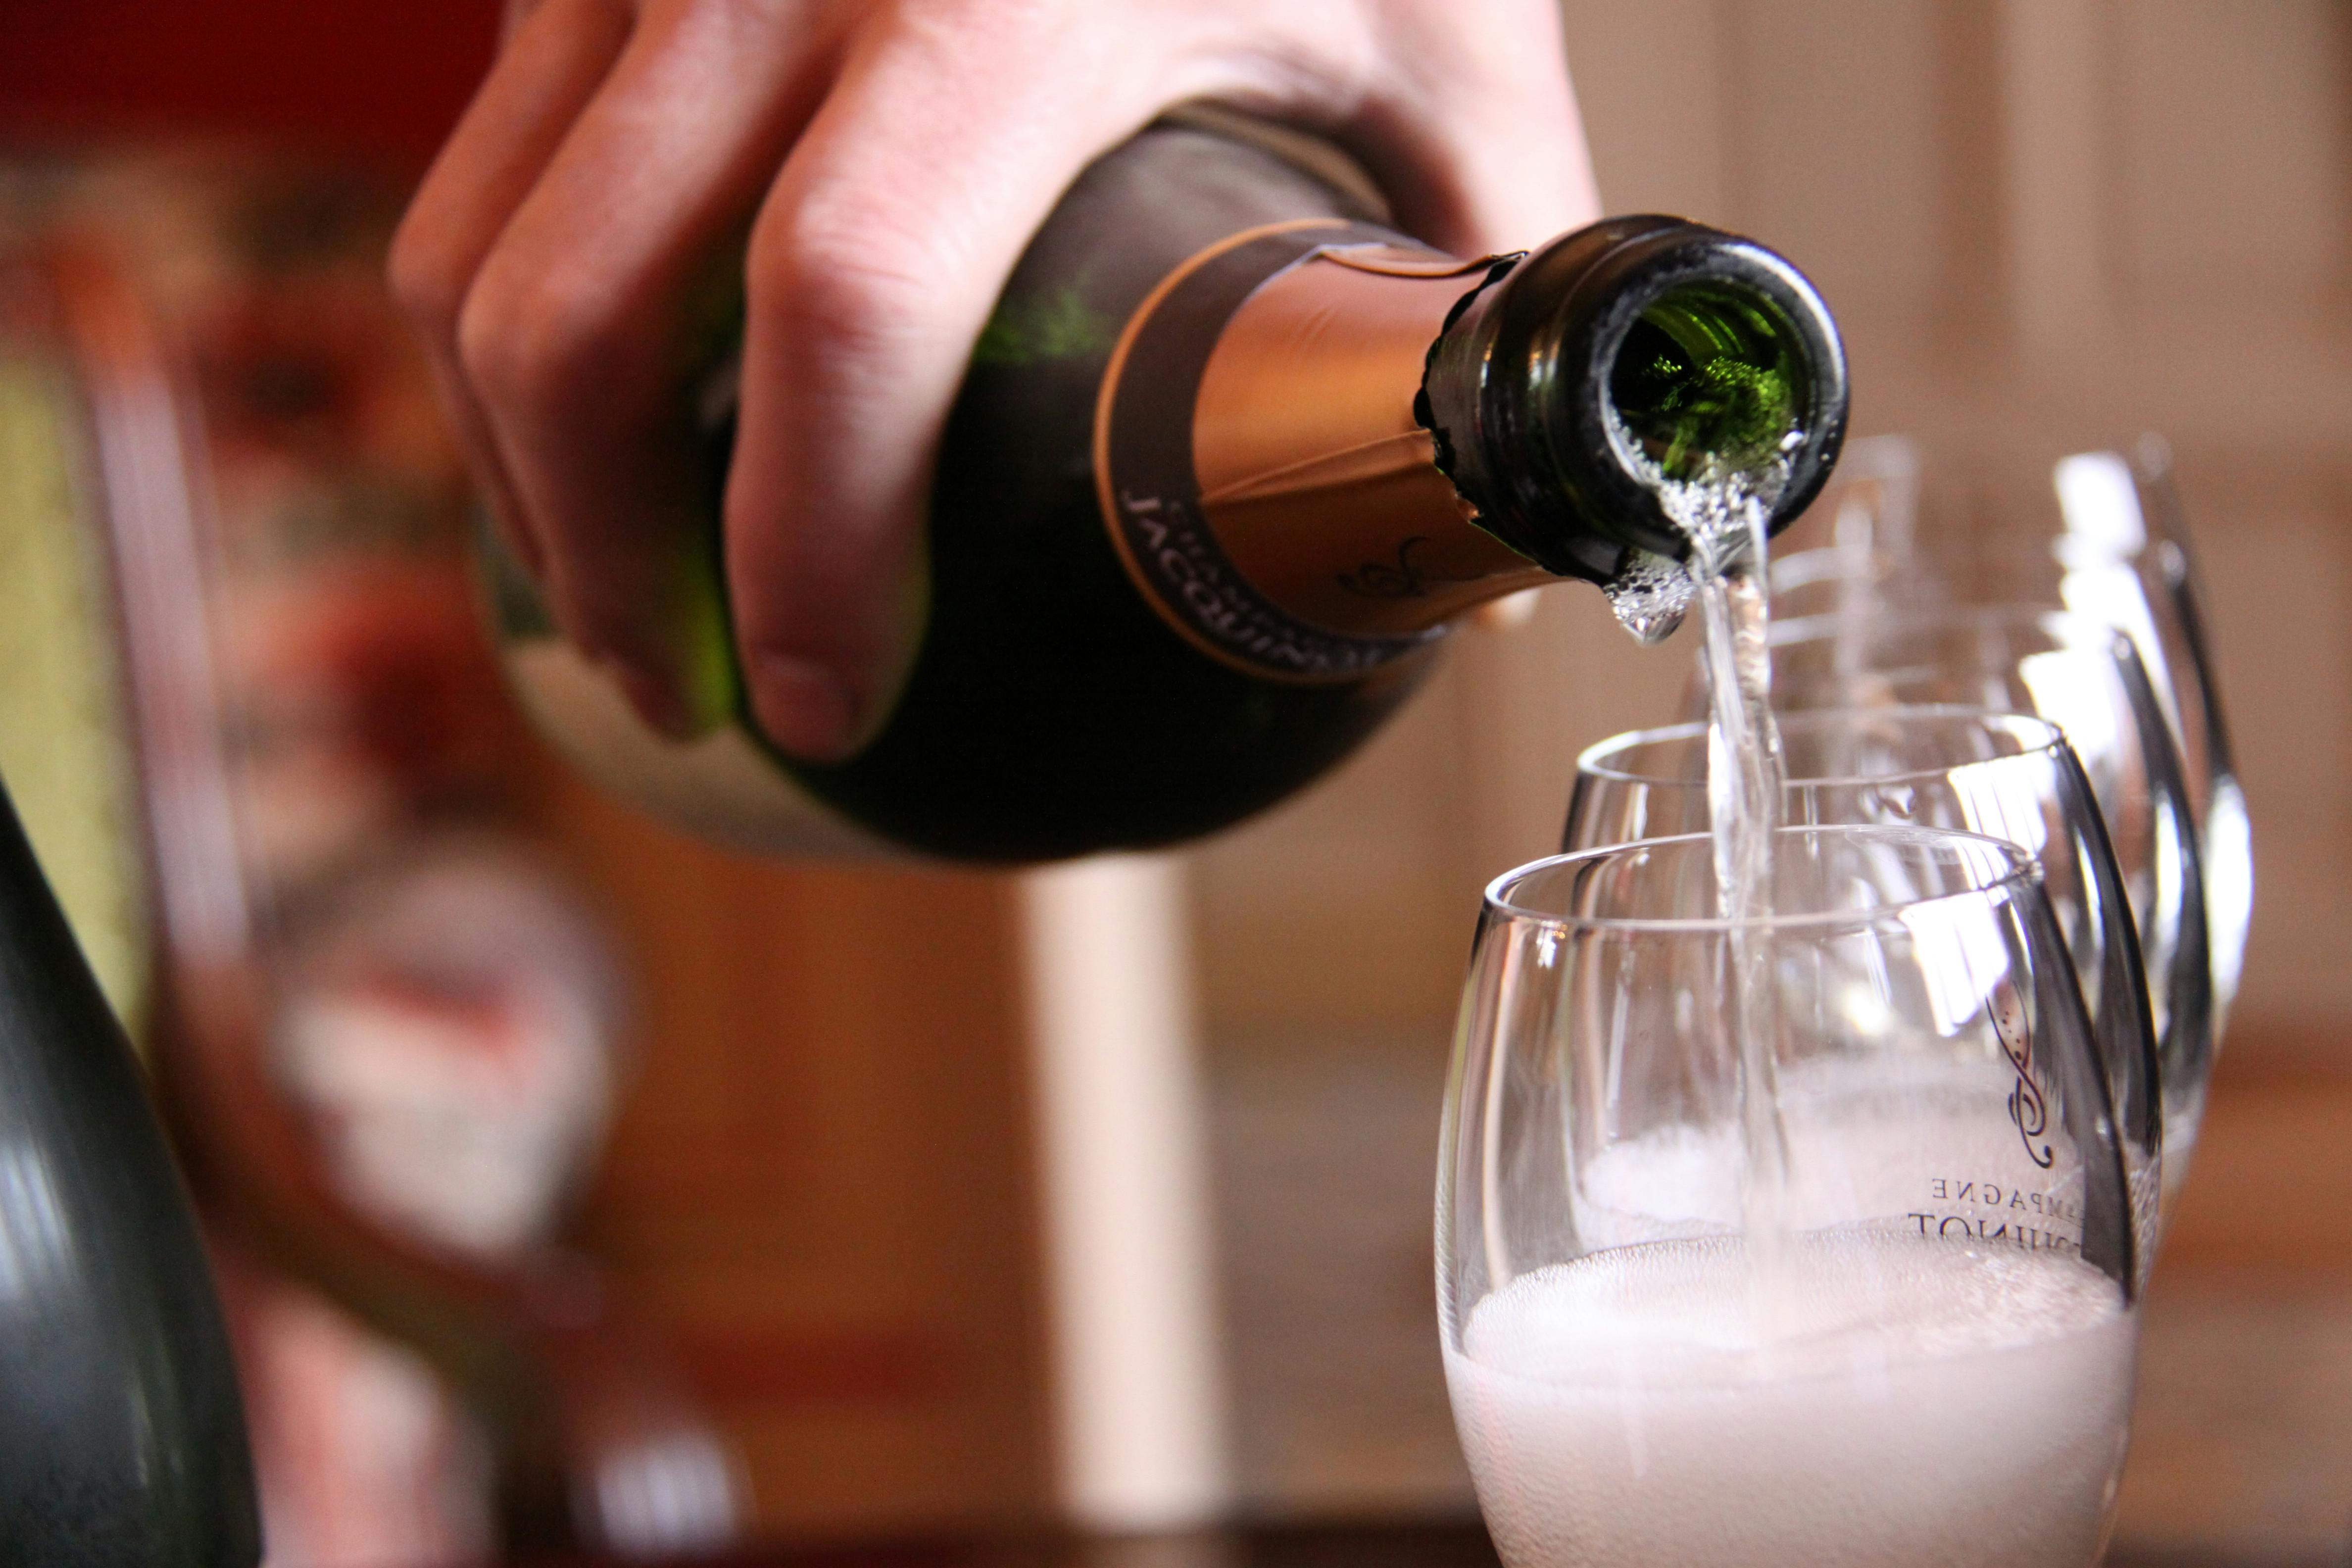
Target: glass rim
column 2047, row 738
column 2023, row 868
column 1809, row 566
column 2056, row 619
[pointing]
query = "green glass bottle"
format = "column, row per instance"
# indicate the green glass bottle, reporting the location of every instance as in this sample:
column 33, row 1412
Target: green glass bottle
column 122, row 1436
column 1230, row 457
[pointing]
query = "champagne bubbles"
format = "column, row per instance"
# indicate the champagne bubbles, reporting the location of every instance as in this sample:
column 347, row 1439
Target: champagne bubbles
column 1650, row 595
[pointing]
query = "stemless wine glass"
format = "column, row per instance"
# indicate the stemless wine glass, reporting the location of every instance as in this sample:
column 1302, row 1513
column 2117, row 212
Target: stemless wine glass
column 1919, row 1351
column 2100, row 533
column 2004, row 775
column 2125, row 556
column 2087, row 678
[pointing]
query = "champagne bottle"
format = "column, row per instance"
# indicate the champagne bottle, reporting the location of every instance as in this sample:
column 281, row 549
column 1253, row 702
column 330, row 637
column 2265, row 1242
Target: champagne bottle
column 121, row 1437
column 1229, row 458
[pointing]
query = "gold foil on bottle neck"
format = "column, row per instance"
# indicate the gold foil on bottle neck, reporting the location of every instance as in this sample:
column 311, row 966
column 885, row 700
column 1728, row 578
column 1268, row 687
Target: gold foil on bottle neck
column 1316, row 479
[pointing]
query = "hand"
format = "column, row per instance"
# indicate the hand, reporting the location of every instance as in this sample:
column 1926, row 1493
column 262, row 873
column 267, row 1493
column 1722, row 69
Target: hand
column 889, row 160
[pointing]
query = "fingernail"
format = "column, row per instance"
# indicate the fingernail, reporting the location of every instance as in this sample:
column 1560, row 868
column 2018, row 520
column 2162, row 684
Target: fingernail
column 657, row 701
column 805, row 708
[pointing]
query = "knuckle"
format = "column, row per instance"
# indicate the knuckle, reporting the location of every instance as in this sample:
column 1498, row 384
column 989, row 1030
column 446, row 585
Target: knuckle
column 529, row 343
column 839, row 278
column 961, row 22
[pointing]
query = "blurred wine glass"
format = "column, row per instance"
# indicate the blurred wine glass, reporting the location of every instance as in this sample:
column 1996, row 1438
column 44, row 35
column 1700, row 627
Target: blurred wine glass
column 2086, row 678
column 2103, row 534
column 1640, row 1372
column 2004, row 775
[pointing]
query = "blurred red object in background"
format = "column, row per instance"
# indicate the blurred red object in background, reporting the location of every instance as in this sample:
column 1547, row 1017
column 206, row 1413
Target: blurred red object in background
column 383, row 81
column 330, row 773
column 818, row 1186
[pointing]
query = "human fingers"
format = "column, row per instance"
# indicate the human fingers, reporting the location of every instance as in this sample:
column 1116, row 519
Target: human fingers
column 591, row 312
column 542, row 79
column 879, row 254
column 881, row 251
column 1464, row 112
column 1485, row 116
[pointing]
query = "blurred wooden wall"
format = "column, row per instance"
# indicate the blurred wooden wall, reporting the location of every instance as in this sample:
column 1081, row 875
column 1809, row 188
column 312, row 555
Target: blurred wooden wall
column 2055, row 222
column 2067, row 219
column 819, row 1184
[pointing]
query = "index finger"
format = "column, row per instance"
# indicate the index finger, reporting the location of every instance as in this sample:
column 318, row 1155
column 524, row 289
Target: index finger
column 875, row 261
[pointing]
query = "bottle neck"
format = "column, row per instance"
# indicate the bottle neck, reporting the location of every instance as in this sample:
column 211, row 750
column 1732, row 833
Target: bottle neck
column 1316, row 477
column 1624, row 359
column 1261, row 466
column 1317, row 443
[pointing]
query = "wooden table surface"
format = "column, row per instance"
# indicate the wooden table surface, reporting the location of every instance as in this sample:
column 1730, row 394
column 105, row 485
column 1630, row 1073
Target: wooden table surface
column 1447, row 1543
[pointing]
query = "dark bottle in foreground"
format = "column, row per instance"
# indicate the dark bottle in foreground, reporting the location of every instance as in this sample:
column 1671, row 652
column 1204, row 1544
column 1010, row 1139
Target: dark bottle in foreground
column 121, row 1437
column 1230, row 457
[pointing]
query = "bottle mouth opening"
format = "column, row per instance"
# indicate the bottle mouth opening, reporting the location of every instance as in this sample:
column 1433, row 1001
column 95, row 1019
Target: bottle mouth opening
column 1708, row 381
column 1609, row 368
